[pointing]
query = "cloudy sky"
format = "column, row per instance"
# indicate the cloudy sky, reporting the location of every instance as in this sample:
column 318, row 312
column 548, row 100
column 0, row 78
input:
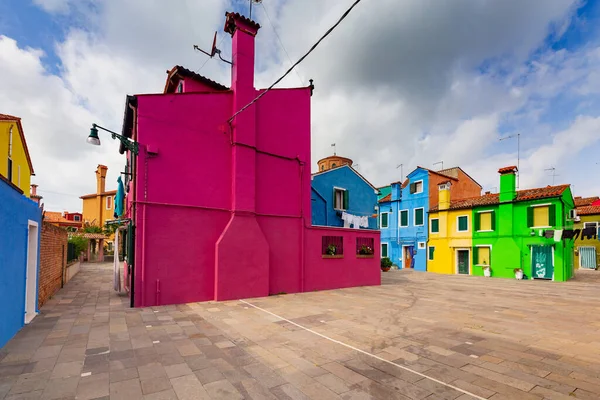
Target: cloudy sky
column 410, row 82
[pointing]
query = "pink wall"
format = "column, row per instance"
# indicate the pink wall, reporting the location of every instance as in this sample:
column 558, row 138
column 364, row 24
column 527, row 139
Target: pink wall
column 223, row 211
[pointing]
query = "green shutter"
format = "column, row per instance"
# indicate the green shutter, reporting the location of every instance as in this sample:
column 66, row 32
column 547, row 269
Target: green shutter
column 493, row 217
column 346, row 199
column 475, row 255
column 384, row 220
column 419, row 216
column 552, row 215
column 431, row 251
column 463, row 223
column 529, row 216
column 435, row 225
column 384, row 250
column 477, row 222
column 413, row 188
column 404, row 218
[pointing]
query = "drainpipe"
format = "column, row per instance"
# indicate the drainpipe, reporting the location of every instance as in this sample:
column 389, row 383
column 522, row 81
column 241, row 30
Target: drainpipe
column 303, row 227
column 131, row 258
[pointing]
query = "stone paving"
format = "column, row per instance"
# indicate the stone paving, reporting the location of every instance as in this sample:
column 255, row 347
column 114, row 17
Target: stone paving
column 418, row 336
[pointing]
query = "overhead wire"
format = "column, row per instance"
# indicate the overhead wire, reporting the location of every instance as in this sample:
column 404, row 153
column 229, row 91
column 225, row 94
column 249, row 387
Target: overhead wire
column 280, row 41
column 209, row 58
column 314, row 46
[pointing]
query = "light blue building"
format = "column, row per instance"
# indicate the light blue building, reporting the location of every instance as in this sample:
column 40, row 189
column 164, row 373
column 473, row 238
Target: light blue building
column 404, row 213
column 342, row 190
column 20, row 222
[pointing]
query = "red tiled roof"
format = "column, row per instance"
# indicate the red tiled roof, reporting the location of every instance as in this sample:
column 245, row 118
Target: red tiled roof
column 588, row 210
column 386, row 198
column 585, row 201
column 57, row 217
column 505, row 170
column 230, row 24
column 494, row 198
column 178, row 70
column 6, row 117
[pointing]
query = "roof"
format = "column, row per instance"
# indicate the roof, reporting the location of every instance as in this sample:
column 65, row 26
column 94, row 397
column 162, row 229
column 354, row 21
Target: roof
column 494, row 198
column 6, row 117
column 585, row 201
column 353, row 170
column 588, row 210
column 230, row 24
column 180, row 72
column 454, row 171
column 386, row 198
column 57, row 217
column 440, row 173
column 506, row 170
column 127, row 130
column 91, row 235
column 92, row 195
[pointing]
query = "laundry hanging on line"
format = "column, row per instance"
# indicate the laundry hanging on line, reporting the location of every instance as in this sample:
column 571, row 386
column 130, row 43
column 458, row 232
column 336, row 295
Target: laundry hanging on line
column 356, row 221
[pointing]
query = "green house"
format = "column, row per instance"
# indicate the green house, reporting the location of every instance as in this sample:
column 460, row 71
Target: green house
column 508, row 231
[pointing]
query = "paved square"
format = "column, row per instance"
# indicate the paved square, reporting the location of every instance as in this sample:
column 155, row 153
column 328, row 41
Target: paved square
column 418, row 336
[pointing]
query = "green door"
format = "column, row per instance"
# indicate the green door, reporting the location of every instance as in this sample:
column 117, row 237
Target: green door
column 587, row 257
column 463, row 262
column 542, row 264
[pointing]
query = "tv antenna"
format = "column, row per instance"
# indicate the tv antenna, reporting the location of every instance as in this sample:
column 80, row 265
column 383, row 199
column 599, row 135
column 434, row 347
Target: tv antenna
column 439, row 162
column 554, row 174
column 253, row 1
column 401, row 172
column 213, row 50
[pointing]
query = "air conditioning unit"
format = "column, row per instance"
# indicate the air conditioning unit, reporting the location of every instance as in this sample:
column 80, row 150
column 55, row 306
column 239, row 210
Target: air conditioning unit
column 576, row 219
column 572, row 214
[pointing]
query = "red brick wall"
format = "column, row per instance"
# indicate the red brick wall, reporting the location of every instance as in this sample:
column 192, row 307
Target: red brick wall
column 464, row 188
column 53, row 259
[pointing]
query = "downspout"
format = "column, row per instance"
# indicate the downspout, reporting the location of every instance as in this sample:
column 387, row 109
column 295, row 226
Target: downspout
column 131, row 265
column 303, row 227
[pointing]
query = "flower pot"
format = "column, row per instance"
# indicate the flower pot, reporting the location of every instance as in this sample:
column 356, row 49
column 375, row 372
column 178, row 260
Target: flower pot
column 487, row 272
column 385, row 269
column 519, row 275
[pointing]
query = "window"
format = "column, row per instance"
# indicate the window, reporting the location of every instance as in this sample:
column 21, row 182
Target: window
column 364, row 246
column 482, row 255
column 76, row 218
column 485, row 221
column 403, row 217
column 590, row 225
column 463, row 223
column 421, row 245
column 435, row 225
column 384, row 220
column 419, row 216
column 416, row 187
column 341, row 198
column 333, row 165
column 180, row 87
column 332, row 246
column 109, row 203
column 541, row 216
column 384, row 250
column 322, row 167
column 431, row 251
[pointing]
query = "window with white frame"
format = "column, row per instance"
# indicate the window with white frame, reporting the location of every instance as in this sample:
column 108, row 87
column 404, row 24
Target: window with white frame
column 419, row 216
column 482, row 255
column 384, row 223
column 462, row 223
column 340, row 201
column 403, row 218
column 421, row 245
column 416, row 187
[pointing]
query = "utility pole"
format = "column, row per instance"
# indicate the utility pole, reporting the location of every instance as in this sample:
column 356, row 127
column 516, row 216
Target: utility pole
column 518, row 136
column 401, row 171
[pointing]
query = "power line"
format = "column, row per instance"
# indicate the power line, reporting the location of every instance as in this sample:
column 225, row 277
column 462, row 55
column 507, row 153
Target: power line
column 314, row 46
column 280, row 42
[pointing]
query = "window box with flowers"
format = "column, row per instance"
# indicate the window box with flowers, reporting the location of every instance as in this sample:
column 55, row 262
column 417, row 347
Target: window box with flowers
column 332, row 247
column 364, row 248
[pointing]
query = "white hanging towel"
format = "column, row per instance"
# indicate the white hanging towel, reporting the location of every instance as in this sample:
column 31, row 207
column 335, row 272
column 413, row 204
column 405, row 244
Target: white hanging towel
column 364, row 222
column 346, row 219
column 116, row 265
column 356, row 221
column 558, row 235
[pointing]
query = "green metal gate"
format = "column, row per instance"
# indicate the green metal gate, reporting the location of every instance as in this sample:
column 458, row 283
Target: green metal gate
column 542, row 262
column 587, row 257
column 463, row 262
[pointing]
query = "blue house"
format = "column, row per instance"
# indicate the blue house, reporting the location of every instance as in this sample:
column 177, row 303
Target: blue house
column 21, row 222
column 404, row 213
column 339, row 190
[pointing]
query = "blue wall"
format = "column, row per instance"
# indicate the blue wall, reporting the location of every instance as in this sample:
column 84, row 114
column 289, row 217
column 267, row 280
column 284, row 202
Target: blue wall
column 362, row 197
column 396, row 236
column 15, row 211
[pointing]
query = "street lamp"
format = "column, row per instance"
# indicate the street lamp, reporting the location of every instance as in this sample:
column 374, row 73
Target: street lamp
column 129, row 144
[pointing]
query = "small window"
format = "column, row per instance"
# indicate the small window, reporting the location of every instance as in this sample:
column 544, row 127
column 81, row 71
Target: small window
column 322, row 167
column 333, row 165
column 541, row 216
column 416, row 187
column 180, row 87
column 463, row 223
column 341, row 199
column 109, row 203
column 421, row 245
column 482, row 255
column 435, row 225
column 419, row 214
column 590, row 225
column 384, row 250
column 76, row 218
column 431, row 251
column 485, row 221
column 403, row 218
column 332, row 246
column 384, row 220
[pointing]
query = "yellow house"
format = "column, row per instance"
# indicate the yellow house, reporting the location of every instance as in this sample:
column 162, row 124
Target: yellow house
column 99, row 207
column 586, row 250
column 15, row 163
column 450, row 235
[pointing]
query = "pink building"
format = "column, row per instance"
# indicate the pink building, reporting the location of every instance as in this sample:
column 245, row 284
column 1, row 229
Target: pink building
column 222, row 210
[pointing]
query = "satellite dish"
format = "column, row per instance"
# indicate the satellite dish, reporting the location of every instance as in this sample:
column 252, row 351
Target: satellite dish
column 213, row 50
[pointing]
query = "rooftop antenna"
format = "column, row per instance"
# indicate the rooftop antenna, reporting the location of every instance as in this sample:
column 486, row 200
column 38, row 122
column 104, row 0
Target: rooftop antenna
column 518, row 136
column 441, row 162
column 554, row 174
column 213, row 50
column 401, row 171
column 253, row 1
column 333, row 145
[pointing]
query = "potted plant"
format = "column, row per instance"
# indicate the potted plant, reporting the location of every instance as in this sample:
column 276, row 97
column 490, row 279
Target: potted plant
column 487, row 270
column 331, row 250
column 365, row 252
column 386, row 264
column 518, row 273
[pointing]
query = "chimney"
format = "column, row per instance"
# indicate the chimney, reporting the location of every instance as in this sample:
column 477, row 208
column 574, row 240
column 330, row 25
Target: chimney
column 101, row 178
column 34, row 190
column 507, row 183
column 444, row 195
column 242, row 31
column 396, row 191
column 488, row 192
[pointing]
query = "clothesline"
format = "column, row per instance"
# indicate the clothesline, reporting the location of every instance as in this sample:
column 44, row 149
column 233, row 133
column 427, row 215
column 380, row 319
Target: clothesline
column 355, row 220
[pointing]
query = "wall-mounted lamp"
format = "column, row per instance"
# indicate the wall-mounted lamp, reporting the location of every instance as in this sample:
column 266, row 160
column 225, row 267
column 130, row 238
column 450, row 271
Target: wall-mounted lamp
column 129, row 144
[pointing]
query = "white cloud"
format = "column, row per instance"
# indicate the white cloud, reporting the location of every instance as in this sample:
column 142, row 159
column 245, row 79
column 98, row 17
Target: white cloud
column 54, row 6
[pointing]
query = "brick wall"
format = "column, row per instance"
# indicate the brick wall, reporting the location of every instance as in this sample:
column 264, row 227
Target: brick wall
column 53, row 259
